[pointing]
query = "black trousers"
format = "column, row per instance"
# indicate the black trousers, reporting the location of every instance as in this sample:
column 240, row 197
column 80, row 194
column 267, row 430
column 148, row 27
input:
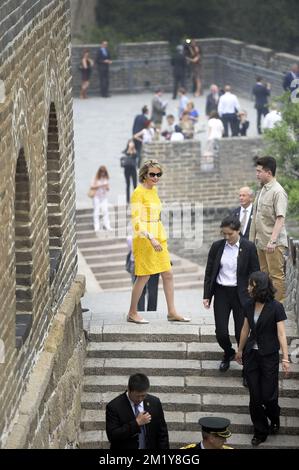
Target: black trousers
column 130, row 173
column 230, row 120
column 226, row 299
column 151, row 289
column 104, row 80
column 261, row 112
column 178, row 81
column 261, row 373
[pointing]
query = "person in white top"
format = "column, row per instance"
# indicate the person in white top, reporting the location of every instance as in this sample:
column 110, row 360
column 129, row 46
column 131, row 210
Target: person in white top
column 228, row 107
column 147, row 134
column 271, row 119
column 215, row 132
column 100, row 200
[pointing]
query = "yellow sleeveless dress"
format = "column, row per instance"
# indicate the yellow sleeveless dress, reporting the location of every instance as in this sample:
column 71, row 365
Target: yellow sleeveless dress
column 145, row 211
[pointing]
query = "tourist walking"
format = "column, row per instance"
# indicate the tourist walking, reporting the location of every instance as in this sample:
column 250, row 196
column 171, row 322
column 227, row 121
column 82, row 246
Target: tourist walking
column 150, row 242
column 268, row 229
column 262, row 336
column 261, row 93
column 230, row 263
column 129, row 163
column 100, row 185
column 228, row 107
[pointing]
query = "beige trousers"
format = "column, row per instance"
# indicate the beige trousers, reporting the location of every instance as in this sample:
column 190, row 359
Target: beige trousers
column 273, row 264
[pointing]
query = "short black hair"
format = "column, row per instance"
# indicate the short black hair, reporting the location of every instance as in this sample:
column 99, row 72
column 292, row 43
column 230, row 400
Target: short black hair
column 263, row 290
column 144, row 109
column 231, row 221
column 138, row 383
column 268, row 163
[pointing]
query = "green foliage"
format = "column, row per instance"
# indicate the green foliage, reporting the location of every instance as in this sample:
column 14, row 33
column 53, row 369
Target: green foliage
column 270, row 23
column 283, row 143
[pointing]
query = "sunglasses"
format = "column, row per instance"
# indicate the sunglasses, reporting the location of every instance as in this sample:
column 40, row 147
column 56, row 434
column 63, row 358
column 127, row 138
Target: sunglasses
column 152, row 175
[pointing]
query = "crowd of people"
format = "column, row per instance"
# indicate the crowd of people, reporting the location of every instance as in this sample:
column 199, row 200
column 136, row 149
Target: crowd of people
column 245, row 270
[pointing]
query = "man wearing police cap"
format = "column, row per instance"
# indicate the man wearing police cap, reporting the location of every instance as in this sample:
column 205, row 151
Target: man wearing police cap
column 214, row 434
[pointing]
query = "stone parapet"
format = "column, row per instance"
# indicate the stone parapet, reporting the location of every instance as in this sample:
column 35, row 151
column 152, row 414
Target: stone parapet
column 146, row 66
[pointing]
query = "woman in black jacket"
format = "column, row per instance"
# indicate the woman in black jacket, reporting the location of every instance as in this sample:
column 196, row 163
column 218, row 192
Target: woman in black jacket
column 262, row 335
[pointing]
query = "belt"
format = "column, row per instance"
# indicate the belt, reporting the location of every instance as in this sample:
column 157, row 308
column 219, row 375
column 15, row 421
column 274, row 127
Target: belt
column 148, row 221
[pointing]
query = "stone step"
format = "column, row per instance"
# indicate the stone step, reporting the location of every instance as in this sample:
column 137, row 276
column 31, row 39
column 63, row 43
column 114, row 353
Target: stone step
column 177, row 439
column 191, row 402
column 94, row 420
column 172, row 350
column 103, row 243
column 180, row 277
column 95, row 250
column 164, row 331
column 103, row 274
column 177, row 285
column 172, row 367
column 190, row 384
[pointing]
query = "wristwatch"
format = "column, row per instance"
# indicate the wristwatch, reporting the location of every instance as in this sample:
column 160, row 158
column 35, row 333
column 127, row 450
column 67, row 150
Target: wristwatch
column 272, row 242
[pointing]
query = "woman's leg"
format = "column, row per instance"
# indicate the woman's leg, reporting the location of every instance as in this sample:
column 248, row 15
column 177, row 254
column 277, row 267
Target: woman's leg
column 136, row 294
column 106, row 221
column 96, row 214
column 167, row 278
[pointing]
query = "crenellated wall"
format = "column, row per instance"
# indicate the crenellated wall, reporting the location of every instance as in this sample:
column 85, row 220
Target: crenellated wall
column 146, row 66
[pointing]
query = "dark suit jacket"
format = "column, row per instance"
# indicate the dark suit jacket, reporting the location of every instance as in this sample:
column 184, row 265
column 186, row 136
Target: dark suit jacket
column 139, row 123
column 247, row 263
column 211, row 104
column 122, row 429
column 236, row 213
column 264, row 332
column 288, row 78
column 101, row 57
column 261, row 93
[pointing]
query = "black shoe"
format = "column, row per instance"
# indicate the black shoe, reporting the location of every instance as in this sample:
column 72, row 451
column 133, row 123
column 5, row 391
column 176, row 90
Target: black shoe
column 274, row 428
column 225, row 363
column 245, row 384
column 255, row 441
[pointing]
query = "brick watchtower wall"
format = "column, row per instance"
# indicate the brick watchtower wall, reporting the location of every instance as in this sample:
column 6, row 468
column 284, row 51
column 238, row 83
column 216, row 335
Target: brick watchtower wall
column 146, row 66
column 41, row 340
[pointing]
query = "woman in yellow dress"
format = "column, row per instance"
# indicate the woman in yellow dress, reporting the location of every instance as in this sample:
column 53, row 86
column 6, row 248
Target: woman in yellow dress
column 150, row 241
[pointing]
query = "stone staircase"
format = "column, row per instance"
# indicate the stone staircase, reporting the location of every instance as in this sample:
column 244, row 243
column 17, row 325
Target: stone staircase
column 182, row 362
column 105, row 254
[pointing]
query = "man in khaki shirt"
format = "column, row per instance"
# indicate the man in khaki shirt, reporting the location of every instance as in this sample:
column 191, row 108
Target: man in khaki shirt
column 268, row 230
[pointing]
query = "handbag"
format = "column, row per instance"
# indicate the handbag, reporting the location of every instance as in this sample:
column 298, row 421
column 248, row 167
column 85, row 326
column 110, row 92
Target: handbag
column 91, row 192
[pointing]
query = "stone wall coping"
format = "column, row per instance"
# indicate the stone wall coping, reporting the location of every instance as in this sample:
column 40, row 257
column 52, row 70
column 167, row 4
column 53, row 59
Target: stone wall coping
column 41, row 374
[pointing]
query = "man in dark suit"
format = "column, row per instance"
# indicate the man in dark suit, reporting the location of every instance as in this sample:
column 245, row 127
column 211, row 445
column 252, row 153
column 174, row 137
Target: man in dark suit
column 212, row 99
column 104, row 60
column 261, row 93
column 230, row 263
column 290, row 77
column 135, row 419
column 179, row 65
column 244, row 211
column 139, row 124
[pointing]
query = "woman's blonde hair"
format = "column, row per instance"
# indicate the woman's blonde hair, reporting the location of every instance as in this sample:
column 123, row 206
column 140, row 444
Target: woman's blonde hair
column 146, row 166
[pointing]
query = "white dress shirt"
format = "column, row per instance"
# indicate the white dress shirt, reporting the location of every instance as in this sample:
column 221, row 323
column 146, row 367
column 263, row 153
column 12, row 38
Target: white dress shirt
column 248, row 209
column 140, row 406
column 227, row 275
column 271, row 119
column 228, row 104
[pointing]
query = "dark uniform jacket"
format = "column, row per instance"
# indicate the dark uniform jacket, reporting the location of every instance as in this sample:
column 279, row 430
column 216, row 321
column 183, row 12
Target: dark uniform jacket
column 122, row 428
column 247, row 263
